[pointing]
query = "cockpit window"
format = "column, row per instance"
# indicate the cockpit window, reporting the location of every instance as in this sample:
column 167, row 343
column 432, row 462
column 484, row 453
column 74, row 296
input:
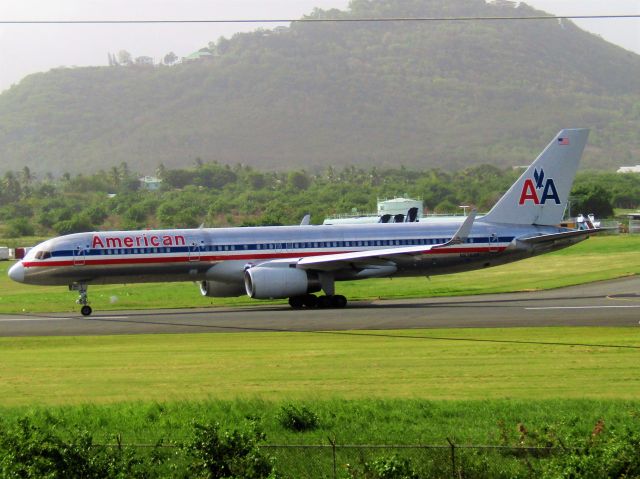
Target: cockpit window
column 43, row 254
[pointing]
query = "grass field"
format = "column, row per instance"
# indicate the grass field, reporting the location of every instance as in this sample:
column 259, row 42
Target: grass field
column 598, row 258
column 473, row 386
column 393, row 387
column 459, row 364
column 359, row 421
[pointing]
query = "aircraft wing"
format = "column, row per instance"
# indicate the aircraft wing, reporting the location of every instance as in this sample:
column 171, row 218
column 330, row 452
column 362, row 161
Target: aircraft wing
column 560, row 236
column 337, row 261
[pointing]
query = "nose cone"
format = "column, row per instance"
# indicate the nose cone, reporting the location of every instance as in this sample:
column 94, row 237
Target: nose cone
column 16, row 272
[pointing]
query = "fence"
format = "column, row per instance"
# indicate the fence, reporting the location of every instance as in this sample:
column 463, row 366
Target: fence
column 434, row 461
column 613, row 225
column 350, row 461
column 634, row 226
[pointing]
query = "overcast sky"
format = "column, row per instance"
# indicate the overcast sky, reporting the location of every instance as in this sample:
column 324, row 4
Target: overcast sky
column 26, row 49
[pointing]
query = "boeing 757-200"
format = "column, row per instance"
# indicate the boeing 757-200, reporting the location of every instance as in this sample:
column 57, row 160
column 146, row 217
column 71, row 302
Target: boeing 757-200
column 296, row 261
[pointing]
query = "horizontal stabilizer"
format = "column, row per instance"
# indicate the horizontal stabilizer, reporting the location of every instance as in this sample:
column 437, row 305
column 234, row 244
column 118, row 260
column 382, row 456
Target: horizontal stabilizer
column 560, row 236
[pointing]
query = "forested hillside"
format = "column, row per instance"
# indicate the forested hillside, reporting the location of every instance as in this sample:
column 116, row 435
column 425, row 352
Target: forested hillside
column 420, row 94
column 222, row 195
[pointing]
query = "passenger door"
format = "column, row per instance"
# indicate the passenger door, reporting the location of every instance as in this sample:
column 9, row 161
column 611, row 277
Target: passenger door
column 79, row 255
column 195, row 249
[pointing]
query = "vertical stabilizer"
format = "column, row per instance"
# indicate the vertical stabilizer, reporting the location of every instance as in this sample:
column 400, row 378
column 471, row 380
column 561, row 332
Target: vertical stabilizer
column 540, row 194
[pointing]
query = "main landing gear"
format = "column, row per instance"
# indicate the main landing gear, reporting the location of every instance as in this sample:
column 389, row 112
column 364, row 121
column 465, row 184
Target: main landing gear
column 329, row 300
column 82, row 298
column 311, row 301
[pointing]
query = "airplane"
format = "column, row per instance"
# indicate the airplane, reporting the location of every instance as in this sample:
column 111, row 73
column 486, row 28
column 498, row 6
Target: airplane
column 294, row 262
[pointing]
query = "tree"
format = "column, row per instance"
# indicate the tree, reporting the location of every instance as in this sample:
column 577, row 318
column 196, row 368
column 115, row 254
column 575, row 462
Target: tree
column 299, row 180
column 124, row 57
column 161, row 171
column 588, row 199
column 27, row 177
column 144, row 60
column 79, row 223
column 170, row 58
column 124, row 170
column 19, row 227
column 221, row 47
column 114, row 177
column 11, row 187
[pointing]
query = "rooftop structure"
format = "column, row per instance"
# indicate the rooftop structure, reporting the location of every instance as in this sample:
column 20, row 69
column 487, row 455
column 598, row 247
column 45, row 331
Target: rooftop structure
column 150, row 183
column 629, row 169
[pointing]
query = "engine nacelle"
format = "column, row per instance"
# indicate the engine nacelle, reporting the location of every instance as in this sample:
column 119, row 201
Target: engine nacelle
column 274, row 281
column 218, row 289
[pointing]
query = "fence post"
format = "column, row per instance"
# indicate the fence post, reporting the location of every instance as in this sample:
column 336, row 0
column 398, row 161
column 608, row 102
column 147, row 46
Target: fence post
column 453, row 458
column 332, row 441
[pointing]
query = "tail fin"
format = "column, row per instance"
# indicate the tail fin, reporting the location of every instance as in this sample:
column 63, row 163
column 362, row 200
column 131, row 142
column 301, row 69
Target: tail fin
column 540, row 194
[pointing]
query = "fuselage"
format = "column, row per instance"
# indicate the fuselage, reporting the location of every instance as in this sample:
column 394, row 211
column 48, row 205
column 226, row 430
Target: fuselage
column 222, row 254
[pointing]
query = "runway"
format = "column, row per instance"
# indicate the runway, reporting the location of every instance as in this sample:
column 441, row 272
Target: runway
column 607, row 303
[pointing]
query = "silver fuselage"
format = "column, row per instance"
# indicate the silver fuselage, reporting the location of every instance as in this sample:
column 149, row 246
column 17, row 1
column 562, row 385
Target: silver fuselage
column 222, row 254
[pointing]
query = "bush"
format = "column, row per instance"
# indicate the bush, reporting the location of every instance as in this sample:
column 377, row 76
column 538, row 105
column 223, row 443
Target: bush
column 617, row 456
column 77, row 224
column 297, row 418
column 385, row 468
column 221, row 454
column 19, row 227
column 27, row 450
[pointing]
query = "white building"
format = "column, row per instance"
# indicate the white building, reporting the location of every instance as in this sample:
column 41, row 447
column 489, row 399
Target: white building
column 629, row 169
column 150, row 183
column 393, row 210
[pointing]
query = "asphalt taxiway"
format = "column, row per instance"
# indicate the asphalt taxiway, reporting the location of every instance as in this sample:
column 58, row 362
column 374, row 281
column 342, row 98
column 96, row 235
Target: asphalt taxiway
column 606, row 303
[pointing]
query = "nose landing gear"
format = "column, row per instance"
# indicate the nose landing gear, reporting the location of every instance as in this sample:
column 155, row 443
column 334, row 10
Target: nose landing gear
column 81, row 288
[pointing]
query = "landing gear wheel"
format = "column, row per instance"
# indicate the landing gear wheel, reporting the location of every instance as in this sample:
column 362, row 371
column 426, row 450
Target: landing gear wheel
column 338, row 301
column 310, row 300
column 83, row 300
column 296, row 302
column 324, row 302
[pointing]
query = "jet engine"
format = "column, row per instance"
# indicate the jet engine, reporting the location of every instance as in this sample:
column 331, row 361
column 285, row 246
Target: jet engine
column 271, row 281
column 218, row 289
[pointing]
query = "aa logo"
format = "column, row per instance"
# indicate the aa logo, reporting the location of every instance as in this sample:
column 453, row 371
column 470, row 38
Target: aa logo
column 539, row 192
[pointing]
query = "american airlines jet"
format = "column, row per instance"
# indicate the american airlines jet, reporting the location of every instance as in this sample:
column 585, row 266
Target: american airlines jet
column 296, row 261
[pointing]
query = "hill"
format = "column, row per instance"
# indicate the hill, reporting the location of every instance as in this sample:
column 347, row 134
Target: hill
column 420, row 94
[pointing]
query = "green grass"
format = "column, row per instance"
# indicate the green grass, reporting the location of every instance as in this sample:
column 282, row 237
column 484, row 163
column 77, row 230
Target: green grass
column 472, row 386
column 563, row 423
column 598, row 258
column 361, row 421
column 392, row 387
column 460, row 364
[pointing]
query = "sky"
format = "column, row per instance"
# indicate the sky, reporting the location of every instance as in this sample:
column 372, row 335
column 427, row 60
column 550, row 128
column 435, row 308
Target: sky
column 26, row 49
